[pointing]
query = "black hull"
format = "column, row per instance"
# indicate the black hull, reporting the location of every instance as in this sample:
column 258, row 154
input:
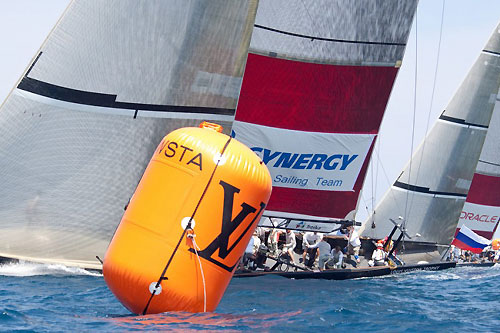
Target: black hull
column 6, row 260
column 334, row 274
column 424, row 267
column 476, row 264
column 354, row 273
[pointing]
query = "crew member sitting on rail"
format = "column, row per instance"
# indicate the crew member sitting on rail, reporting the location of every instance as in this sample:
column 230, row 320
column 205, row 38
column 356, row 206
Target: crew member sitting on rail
column 337, row 258
column 379, row 256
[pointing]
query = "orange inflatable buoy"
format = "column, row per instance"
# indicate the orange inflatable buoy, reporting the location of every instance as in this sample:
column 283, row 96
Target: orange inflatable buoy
column 187, row 224
column 495, row 245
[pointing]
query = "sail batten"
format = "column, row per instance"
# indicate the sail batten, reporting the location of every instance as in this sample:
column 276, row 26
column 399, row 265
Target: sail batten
column 316, row 84
column 461, row 122
column 426, row 190
column 170, row 113
column 107, row 100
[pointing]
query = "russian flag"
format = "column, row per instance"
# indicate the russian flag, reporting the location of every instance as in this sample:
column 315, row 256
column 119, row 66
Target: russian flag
column 467, row 239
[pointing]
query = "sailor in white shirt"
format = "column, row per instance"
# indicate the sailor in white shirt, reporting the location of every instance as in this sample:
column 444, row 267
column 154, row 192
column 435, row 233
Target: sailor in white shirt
column 310, row 243
column 354, row 244
column 337, row 257
column 290, row 244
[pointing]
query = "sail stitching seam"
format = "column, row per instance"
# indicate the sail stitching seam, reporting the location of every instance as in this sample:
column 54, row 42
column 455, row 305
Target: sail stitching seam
column 326, row 39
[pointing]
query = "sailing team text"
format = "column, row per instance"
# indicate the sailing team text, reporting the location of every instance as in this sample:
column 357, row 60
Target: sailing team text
column 320, row 181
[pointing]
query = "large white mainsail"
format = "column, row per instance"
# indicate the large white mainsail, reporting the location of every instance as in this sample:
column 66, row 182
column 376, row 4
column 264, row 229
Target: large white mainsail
column 432, row 196
column 316, row 84
column 110, row 81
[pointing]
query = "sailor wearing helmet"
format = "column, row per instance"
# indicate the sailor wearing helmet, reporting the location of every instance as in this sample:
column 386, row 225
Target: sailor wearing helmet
column 378, row 256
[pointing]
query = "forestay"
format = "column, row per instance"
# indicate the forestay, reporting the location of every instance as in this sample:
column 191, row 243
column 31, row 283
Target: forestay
column 315, row 88
column 110, row 81
column 443, row 166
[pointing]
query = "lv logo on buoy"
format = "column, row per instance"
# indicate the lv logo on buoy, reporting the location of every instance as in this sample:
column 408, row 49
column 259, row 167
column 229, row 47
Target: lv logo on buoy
column 151, row 248
column 221, row 242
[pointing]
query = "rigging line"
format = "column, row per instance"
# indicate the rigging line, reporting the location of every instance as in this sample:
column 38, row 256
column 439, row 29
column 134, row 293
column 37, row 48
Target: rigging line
column 366, row 204
column 373, row 188
column 432, row 95
column 390, row 194
column 326, row 39
column 312, row 21
column 389, row 183
column 196, row 249
column 308, row 14
column 188, row 227
column 413, row 122
column 378, row 168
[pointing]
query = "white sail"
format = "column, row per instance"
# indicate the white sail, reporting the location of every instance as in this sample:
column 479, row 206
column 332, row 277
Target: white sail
column 481, row 211
column 432, row 196
column 110, row 81
column 316, row 84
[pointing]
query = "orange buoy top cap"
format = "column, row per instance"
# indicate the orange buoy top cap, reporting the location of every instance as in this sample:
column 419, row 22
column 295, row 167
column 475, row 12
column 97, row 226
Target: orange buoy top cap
column 212, row 126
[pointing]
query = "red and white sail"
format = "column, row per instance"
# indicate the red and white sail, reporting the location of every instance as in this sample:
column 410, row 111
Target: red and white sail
column 481, row 212
column 316, row 84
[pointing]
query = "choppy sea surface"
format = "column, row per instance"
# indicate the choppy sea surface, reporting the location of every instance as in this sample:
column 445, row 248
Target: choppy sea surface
column 53, row 298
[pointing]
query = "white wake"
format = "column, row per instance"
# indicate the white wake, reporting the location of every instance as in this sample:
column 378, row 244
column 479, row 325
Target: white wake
column 32, row 269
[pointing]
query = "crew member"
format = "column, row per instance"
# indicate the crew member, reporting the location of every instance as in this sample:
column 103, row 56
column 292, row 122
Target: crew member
column 290, row 244
column 310, row 243
column 324, row 249
column 378, row 256
column 354, row 243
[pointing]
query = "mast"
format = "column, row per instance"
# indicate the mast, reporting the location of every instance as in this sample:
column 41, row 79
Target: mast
column 316, row 84
column 437, row 190
column 80, row 127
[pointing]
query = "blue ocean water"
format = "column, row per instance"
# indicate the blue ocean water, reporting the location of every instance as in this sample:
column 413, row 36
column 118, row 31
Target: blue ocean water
column 53, row 298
